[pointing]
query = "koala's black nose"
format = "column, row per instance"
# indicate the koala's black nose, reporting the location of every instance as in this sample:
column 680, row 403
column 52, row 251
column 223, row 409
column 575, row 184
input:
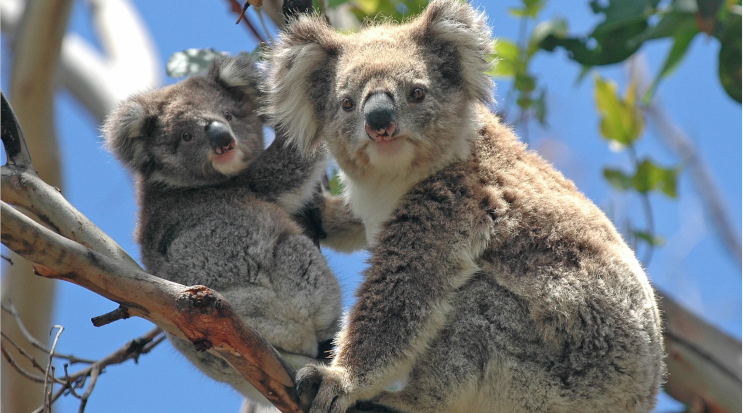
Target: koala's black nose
column 220, row 137
column 379, row 111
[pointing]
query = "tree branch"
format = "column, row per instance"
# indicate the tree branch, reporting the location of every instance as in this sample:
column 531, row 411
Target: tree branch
column 704, row 364
column 196, row 313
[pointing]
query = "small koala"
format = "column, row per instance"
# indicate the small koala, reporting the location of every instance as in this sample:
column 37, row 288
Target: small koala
column 494, row 285
column 216, row 209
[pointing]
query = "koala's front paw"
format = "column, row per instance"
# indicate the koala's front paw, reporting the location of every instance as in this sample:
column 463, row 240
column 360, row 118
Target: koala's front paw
column 324, row 388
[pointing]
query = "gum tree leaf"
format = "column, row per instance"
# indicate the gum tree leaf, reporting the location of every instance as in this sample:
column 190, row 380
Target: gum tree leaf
column 540, row 108
column 730, row 57
column 610, row 41
column 681, row 42
column 618, row 179
column 654, row 240
column 621, row 120
column 651, row 177
column 554, row 27
column 506, row 54
column 671, row 24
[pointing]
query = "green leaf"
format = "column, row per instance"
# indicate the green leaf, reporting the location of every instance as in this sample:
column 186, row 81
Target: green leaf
column 729, row 68
column 190, row 62
column 506, row 55
column 524, row 102
column 525, row 83
column 621, row 13
column 530, row 8
column 610, row 41
column 335, row 183
column 540, row 108
column 654, row 240
column 621, row 120
column 554, row 27
column 618, row 179
column 584, row 71
column 673, row 23
column 681, row 44
column 651, row 177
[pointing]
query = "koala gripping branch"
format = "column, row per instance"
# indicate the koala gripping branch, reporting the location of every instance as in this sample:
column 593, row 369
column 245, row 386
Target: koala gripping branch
column 75, row 250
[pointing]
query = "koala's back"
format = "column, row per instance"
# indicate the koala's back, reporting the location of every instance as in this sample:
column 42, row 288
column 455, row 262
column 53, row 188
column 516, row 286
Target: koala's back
column 251, row 252
column 559, row 316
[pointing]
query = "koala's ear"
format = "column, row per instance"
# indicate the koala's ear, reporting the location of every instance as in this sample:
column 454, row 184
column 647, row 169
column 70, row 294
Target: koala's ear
column 300, row 73
column 124, row 132
column 236, row 72
column 457, row 24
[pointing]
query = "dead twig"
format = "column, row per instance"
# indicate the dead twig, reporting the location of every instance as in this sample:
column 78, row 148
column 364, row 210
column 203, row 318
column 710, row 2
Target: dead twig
column 129, row 351
column 47, row 377
column 121, row 313
column 240, row 11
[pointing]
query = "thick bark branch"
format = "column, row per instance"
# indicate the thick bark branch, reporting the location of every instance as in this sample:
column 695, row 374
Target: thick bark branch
column 704, row 364
column 196, row 313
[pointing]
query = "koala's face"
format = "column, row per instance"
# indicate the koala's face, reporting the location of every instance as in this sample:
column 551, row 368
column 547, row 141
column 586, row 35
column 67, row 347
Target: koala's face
column 196, row 132
column 389, row 98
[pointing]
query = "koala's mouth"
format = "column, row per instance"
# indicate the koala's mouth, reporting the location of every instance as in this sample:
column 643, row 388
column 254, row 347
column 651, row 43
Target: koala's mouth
column 221, row 150
column 382, row 135
column 224, row 154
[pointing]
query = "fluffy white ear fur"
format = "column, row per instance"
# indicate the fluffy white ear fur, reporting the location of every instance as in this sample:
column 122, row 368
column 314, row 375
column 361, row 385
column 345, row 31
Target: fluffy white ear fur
column 458, row 24
column 306, row 45
column 236, row 71
column 122, row 132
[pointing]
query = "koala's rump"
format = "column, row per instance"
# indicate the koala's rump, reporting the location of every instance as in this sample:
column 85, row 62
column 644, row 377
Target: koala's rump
column 253, row 254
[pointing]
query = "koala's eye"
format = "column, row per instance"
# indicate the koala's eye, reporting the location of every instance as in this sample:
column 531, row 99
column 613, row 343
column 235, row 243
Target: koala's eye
column 228, row 116
column 347, row 104
column 417, row 94
column 186, row 136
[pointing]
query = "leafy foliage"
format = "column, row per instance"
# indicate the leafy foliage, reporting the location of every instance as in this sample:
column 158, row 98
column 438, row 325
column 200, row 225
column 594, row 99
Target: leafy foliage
column 627, row 26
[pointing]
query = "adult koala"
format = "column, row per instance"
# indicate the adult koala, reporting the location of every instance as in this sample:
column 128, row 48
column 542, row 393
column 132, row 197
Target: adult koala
column 216, row 209
column 494, row 285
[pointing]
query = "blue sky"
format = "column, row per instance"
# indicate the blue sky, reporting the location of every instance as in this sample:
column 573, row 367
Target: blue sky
column 692, row 267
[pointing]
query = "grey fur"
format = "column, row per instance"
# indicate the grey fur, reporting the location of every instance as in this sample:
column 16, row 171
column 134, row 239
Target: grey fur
column 494, row 285
column 230, row 227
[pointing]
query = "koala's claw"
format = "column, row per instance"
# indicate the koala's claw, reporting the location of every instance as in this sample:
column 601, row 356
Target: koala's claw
column 308, row 383
column 322, row 390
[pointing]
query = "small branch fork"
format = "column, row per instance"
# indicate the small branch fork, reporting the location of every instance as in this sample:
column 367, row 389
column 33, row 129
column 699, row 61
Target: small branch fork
column 69, row 247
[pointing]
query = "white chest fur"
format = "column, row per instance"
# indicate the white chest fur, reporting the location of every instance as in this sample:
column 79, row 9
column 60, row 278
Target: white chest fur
column 373, row 200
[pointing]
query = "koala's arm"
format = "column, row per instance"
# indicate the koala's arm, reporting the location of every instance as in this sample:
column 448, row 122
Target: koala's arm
column 344, row 231
column 285, row 175
column 425, row 252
